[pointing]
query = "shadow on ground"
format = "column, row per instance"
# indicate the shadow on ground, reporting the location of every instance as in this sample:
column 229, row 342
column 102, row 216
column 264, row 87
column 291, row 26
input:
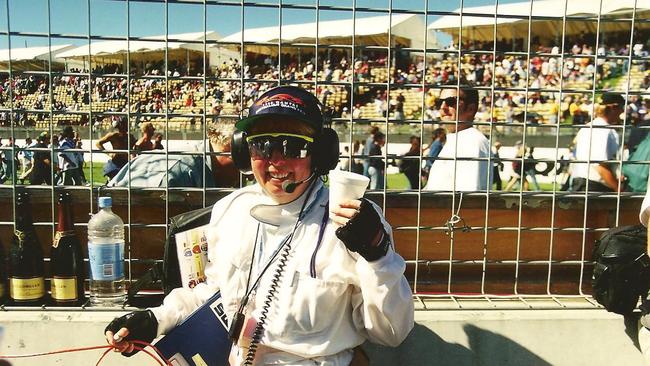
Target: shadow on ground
column 424, row 347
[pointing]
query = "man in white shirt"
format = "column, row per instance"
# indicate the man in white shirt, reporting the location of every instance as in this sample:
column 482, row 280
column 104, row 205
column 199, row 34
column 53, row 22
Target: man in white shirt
column 595, row 144
column 464, row 162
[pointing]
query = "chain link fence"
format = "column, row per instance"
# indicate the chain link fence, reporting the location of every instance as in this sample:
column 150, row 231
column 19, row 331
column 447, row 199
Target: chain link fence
column 175, row 76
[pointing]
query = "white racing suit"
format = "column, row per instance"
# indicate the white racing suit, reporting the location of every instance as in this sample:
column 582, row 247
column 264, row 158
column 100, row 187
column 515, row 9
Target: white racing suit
column 328, row 300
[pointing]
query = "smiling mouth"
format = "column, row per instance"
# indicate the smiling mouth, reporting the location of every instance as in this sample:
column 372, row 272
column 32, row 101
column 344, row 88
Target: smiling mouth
column 278, row 175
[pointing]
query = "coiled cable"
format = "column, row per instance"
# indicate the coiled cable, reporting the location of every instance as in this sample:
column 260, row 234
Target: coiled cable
column 256, row 338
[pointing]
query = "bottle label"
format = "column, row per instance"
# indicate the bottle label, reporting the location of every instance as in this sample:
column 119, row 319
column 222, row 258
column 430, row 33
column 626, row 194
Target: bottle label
column 64, row 288
column 106, row 261
column 25, row 289
column 60, row 235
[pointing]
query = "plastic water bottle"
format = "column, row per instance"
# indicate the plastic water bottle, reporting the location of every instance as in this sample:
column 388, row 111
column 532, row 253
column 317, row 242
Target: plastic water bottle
column 106, row 256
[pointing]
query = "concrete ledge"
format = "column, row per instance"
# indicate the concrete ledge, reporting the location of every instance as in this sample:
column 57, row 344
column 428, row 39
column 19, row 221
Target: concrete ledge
column 515, row 337
column 441, row 337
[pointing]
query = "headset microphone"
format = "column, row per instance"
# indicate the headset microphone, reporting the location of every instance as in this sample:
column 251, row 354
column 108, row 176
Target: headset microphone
column 289, row 185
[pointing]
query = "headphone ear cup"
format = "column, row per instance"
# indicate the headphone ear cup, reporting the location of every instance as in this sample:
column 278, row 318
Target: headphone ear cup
column 325, row 154
column 239, row 152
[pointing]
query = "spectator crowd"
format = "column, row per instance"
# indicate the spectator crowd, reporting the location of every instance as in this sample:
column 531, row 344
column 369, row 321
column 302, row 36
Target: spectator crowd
column 549, row 86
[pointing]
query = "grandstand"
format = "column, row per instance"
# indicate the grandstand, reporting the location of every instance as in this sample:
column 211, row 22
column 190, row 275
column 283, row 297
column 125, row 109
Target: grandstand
column 511, row 75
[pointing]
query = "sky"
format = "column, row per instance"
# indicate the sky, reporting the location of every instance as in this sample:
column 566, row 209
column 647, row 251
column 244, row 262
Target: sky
column 75, row 19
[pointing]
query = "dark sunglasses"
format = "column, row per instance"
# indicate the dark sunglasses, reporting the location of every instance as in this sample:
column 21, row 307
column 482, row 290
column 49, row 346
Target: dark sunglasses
column 451, row 102
column 290, row 146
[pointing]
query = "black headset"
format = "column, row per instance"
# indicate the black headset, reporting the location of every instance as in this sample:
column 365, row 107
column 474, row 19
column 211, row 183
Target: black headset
column 324, row 149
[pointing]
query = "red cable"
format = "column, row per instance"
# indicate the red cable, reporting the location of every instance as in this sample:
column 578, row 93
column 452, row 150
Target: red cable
column 145, row 344
column 56, row 352
column 138, row 345
column 104, row 355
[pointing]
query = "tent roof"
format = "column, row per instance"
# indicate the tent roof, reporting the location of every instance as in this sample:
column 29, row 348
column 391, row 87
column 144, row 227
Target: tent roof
column 326, row 29
column 484, row 15
column 31, row 53
column 193, row 36
column 145, row 44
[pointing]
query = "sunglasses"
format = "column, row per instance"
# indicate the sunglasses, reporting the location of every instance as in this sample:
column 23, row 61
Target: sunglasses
column 290, row 146
column 451, row 102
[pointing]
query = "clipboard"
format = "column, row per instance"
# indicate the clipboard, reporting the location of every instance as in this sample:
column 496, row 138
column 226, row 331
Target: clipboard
column 201, row 339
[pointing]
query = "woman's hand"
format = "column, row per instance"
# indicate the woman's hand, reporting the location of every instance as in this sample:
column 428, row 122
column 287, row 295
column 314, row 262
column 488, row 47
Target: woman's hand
column 345, row 211
column 361, row 229
column 120, row 344
column 138, row 325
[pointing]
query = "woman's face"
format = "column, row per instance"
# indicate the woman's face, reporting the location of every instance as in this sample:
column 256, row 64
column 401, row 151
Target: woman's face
column 271, row 173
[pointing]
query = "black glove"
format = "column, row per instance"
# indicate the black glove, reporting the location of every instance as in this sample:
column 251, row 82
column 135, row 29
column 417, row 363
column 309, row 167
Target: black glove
column 142, row 326
column 359, row 233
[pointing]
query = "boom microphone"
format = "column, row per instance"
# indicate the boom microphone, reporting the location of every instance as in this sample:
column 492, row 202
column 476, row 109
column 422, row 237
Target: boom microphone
column 289, row 185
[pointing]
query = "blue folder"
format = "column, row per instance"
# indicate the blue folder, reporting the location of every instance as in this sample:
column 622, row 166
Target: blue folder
column 201, row 339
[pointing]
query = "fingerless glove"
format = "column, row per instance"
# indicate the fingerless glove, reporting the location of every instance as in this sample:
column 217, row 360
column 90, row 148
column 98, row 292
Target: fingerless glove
column 142, row 326
column 360, row 231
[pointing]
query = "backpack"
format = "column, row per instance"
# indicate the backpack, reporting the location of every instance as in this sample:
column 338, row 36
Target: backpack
column 637, row 173
column 167, row 273
column 621, row 268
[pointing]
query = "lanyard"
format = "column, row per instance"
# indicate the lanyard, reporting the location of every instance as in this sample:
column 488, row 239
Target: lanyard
column 284, row 242
column 323, row 224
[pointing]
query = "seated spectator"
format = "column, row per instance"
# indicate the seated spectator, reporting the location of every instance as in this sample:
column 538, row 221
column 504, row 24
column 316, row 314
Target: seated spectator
column 157, row 140
column 596, row 146
column 146, row 142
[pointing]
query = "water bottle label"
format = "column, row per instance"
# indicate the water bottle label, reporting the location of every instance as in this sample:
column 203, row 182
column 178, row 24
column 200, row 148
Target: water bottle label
column 64, row 288
column 106, row 261
column 25, row 289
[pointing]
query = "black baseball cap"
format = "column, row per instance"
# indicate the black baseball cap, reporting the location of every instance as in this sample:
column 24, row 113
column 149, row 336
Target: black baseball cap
column 613, row 98
column 287, row 101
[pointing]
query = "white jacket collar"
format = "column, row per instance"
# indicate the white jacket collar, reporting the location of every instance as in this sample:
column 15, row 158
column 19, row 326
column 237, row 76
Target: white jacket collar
column 277, row 215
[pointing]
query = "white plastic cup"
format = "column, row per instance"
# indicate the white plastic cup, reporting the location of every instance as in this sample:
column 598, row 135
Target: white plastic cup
column 345, row 186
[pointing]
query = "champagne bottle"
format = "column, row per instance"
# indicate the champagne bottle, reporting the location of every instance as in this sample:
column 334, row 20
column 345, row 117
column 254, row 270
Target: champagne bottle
column 26, row 281
column 67, row 285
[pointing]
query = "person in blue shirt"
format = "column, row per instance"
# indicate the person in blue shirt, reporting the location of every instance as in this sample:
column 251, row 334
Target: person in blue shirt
column 438, row 138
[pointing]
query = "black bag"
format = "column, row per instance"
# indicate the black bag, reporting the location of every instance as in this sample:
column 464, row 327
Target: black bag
column 167, row 273
column 621, row 268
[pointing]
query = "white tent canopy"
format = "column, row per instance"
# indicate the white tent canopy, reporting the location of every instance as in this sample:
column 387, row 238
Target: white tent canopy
column 145, row 44
column 480, row 19
column 407, row 26
column 33, row 53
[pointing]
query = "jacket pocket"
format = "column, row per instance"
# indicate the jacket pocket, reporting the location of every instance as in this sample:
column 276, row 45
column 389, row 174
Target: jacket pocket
column 315, row 304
